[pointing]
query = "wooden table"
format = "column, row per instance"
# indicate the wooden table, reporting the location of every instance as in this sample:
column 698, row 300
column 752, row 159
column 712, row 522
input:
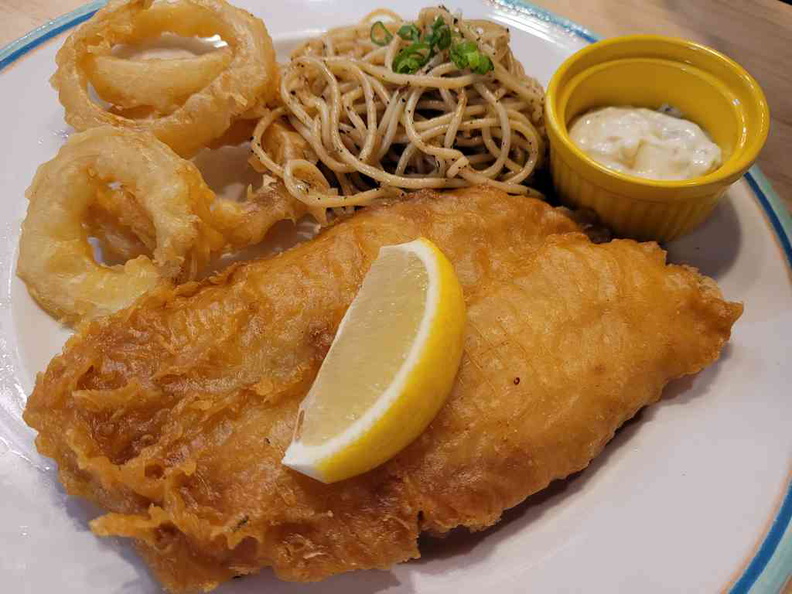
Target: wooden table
column 756, row 33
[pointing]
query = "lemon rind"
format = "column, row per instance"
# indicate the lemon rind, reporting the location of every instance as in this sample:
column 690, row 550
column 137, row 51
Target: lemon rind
column 322, row 462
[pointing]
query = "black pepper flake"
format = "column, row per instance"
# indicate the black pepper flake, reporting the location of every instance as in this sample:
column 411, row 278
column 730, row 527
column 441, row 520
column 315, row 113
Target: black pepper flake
column 516, row 381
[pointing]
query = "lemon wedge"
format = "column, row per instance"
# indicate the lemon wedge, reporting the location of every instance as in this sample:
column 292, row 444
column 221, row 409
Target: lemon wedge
column 389, row 369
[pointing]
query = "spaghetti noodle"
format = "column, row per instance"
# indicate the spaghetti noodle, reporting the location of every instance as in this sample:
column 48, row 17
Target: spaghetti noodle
column 387, row 105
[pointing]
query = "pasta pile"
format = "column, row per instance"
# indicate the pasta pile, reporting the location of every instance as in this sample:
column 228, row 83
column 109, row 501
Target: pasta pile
column 388, row 105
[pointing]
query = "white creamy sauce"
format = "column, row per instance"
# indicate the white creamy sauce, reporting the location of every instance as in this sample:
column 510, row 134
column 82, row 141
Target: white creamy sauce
column 645, row 143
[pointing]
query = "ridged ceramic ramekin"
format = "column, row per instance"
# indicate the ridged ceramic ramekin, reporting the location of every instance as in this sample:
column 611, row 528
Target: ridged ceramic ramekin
column 651, row 71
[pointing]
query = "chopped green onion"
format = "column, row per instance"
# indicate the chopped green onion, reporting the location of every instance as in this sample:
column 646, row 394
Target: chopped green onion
column 406, row 65
column 484, row 65
column 439, row 35
column 460, row 52
column 412, row 58
column 379, row 34
column 409, row 32
column 467, row 55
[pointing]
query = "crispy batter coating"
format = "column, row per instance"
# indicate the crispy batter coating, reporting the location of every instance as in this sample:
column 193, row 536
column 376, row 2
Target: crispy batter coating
column 174, row 414
column 162, row 199
column 205, row 115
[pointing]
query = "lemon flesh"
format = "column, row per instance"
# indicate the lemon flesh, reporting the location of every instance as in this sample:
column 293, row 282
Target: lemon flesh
column 389, row 369
column 384, row 324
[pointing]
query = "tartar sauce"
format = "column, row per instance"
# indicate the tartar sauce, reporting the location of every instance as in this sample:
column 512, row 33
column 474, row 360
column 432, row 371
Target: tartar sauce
column 645, row 143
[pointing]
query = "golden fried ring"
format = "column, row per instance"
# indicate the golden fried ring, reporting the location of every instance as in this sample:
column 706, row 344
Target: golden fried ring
column 205, row 115
column 125, row 231
column 121, row 205
column 55, row 258
column 121, row 226
column 163, row 84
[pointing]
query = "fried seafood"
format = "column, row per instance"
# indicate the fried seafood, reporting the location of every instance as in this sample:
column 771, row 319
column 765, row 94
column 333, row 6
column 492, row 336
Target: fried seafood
column 174, row 415
column 55, row 259
column 124, row 230
column 206, row 114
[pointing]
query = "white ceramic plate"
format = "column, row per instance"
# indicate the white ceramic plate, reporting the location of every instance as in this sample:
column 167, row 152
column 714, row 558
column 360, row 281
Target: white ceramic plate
column 693, row 496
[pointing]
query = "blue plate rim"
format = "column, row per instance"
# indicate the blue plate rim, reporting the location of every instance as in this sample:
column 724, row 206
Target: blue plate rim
column 771, row 567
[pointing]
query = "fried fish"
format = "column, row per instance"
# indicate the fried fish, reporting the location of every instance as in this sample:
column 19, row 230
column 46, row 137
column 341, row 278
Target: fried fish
column 174, row 414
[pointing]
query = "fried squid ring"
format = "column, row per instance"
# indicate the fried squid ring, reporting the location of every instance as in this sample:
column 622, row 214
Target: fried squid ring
column 56, row 260
column 204, row 115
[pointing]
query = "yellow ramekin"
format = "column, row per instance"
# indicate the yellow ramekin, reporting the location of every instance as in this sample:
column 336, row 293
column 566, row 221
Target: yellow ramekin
column 649, row 71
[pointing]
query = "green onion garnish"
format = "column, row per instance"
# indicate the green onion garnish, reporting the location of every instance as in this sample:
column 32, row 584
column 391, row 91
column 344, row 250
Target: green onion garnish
column 439, row 37
column 440, row 34
column 467, row 55
column 379, row 34
column 412, row 58
column 409, row 32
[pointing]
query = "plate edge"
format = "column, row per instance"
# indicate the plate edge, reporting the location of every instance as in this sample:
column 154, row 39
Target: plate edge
column 18, row 48
column 765, row 572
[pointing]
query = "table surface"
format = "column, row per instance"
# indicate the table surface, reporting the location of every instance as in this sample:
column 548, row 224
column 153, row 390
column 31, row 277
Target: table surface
column 756, row 33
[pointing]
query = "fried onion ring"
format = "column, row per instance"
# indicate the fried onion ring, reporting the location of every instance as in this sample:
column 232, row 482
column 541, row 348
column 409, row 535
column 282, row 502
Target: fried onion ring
column 120, row 225
column 161, row 83
column 124, row 230
column 55, row 258
column 204, row 115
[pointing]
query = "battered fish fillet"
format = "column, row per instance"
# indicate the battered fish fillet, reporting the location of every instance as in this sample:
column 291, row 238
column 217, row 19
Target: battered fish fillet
column 174, row 414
